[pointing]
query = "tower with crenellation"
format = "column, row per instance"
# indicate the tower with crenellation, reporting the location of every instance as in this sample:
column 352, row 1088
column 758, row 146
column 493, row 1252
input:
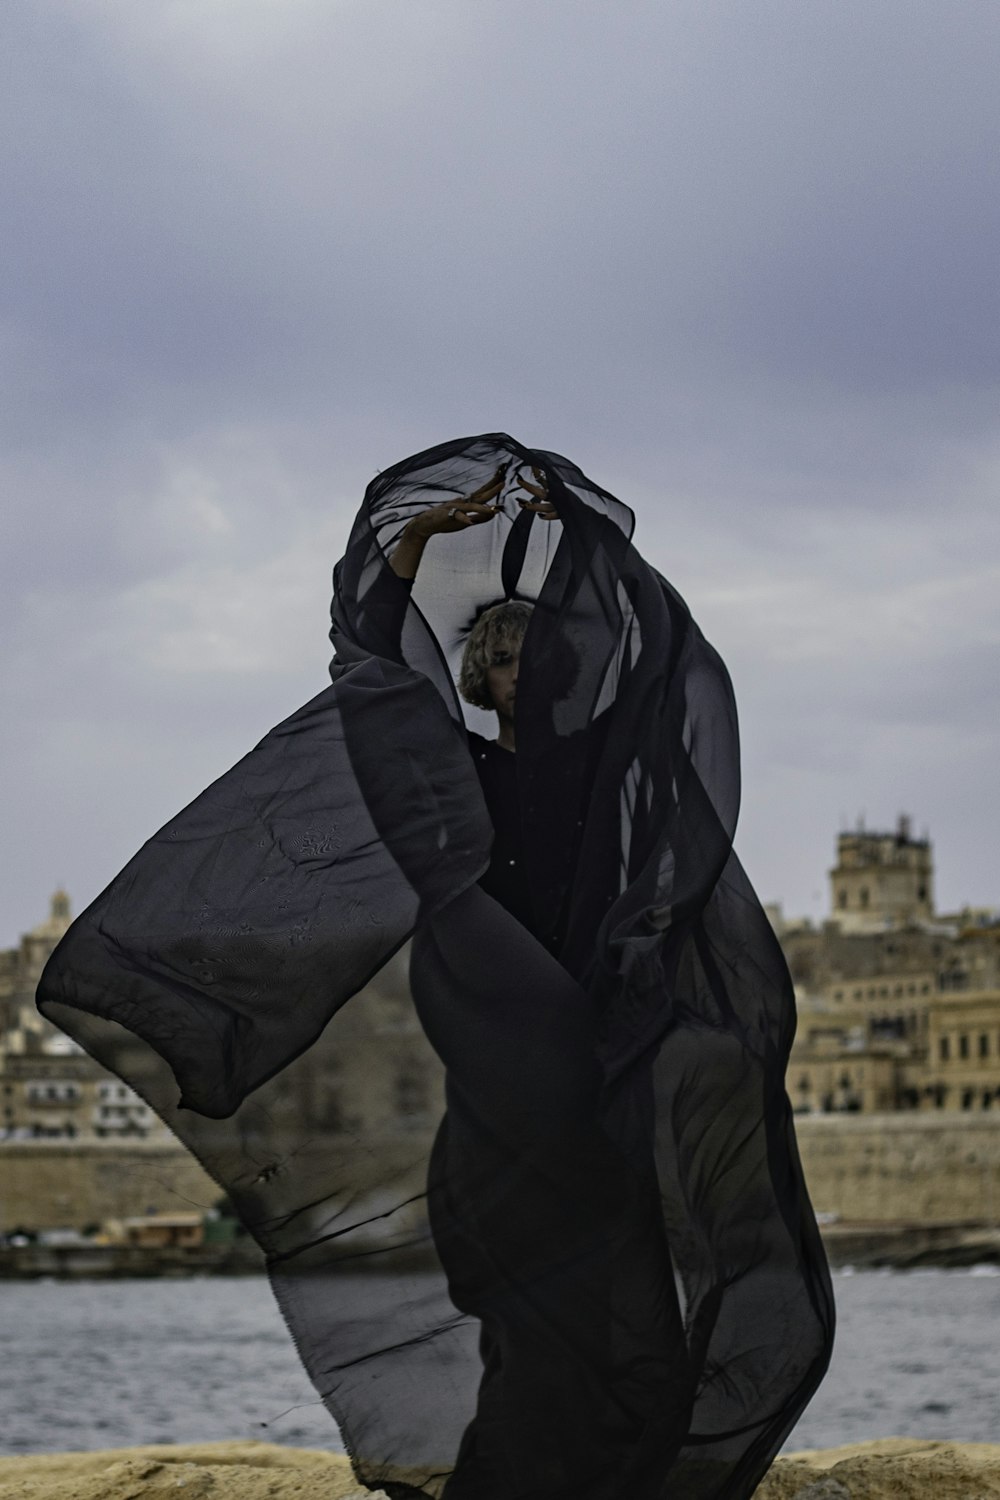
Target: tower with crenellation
column 882, row 880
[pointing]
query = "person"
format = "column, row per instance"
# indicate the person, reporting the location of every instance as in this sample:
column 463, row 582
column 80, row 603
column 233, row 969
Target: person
column 593, row 1245
column 487, row 677
column 627, row 1290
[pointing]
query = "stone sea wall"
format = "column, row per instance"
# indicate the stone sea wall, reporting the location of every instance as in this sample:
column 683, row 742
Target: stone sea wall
column 69, row 1184
column 941, row 1168
column 930, row 1169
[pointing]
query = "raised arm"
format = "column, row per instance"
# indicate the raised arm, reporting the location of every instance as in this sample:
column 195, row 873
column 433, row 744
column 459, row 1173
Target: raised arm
column 456, row 515
column 450, row 515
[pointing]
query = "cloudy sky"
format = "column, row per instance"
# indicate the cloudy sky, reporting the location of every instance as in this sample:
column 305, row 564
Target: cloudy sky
column 737, row 260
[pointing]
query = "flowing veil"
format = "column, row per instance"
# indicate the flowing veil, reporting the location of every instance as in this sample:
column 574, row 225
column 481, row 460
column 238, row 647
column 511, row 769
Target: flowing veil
column 214, row 975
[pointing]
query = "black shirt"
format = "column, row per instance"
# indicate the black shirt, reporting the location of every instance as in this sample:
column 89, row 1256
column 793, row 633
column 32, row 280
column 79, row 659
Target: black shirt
column 506, row 878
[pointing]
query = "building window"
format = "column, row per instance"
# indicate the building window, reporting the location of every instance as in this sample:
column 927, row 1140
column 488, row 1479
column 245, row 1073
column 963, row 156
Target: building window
column 944, row 1049
column 864, row 895
column 963, row 1045
column 52, row 1093
column 968, row 1098
column 841, row 899
column 984, row 1044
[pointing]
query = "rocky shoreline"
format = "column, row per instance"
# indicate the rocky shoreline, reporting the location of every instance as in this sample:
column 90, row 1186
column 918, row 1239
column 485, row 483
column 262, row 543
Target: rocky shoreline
column 862, row 1245
column 887, row 1469
column 905, row 1247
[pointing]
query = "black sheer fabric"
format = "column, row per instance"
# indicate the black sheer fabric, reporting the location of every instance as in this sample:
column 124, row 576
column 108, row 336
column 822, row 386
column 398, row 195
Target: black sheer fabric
column 600, row 1275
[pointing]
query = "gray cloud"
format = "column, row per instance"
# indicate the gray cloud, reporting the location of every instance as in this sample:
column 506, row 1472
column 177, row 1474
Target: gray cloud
column 736, row 261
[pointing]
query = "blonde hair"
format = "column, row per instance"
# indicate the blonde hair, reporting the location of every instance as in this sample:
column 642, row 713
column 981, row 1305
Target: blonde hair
column 500, row 628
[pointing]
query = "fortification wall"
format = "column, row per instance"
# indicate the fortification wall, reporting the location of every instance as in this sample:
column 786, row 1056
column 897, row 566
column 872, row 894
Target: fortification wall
column 903, row 1168
column 68, row 1184
column 882, row 1169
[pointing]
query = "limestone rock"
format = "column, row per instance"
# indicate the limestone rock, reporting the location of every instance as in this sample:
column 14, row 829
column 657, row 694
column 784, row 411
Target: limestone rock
column 890, row 1469
column 192, row 1471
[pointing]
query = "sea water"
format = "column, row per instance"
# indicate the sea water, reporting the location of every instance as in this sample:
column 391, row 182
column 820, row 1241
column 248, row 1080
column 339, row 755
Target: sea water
column 110, row 1364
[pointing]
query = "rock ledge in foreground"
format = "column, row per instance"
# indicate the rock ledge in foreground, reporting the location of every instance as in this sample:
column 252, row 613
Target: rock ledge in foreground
column 888, row 1469
column 185, row 1471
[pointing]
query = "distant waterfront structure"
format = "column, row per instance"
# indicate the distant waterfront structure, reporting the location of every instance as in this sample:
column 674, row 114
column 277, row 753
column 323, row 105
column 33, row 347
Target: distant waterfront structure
column 898, row 1013
column 21, row 967
column 882, row 879
column 377, row 1075
column 79, row 1148
column 49, row 1088
column 899, row 1009
column 899, row 1006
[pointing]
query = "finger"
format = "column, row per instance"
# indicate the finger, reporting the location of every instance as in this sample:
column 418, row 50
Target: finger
column 539, row 491
column 471, row 513
column 492, row 486
column 480, row 497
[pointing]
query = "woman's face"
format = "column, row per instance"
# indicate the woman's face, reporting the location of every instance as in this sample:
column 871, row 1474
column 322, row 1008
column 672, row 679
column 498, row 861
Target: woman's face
column 501, row 679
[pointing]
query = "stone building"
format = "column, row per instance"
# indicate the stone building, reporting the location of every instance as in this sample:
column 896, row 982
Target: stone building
column 378, row 1074
column 48, row 1087
column 899, row 1007
column 881, row 878
column 77, row 1144
column 961, row 1068
column 380, row 1077
column 899, row 1010
column 64, row 1093
column 21, row 969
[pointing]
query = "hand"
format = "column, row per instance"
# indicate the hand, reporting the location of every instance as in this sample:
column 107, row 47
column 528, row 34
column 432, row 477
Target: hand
column 541, row 505
column 456, row 515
